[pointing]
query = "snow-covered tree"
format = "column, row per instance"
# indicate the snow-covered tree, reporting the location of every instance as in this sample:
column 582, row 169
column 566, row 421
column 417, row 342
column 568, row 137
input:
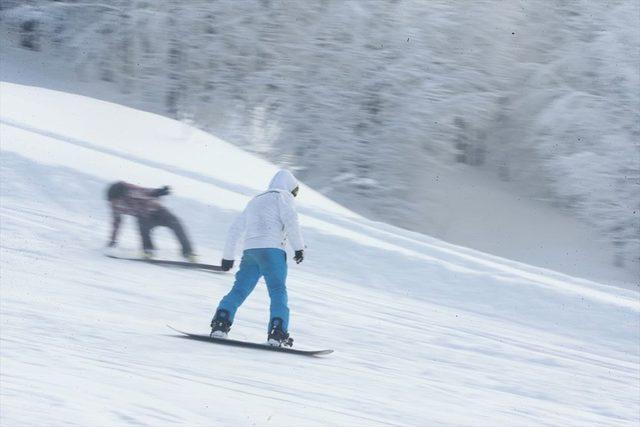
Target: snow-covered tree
column 361, row 97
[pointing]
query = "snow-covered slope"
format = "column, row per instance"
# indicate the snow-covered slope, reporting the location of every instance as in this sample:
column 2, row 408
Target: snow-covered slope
column 424, row 332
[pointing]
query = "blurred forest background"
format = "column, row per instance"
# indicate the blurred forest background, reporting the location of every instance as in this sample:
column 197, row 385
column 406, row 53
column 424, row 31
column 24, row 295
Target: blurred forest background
column 364, row 100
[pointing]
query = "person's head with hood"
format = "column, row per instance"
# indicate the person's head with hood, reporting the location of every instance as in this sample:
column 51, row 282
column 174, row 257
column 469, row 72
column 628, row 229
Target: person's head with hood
column 285, row 181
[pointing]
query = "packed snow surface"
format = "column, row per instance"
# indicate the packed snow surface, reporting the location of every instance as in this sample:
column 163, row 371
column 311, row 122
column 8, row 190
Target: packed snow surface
column 424, row 332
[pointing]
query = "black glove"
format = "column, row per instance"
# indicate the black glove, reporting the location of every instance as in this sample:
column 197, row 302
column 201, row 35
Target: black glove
column 299, row 256
column 111, row 244
column 227, row 264
column 163, row 191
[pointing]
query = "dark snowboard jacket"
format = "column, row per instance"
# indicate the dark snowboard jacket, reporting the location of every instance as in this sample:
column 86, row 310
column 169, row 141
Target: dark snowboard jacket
column 137, row 201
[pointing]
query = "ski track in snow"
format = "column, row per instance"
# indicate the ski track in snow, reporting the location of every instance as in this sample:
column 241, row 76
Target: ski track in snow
column 424, row 333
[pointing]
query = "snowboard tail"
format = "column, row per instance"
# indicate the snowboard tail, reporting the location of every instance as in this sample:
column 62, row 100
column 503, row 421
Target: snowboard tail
column 183, row 264
column 247, row 344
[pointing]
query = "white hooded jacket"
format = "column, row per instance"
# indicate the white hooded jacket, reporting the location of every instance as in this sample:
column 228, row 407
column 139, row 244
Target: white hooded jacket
column 269, row 220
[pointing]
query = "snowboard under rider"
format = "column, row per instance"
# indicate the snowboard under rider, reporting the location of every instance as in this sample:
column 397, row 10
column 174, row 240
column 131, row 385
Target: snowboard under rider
column 142, row 203
column 266, row 224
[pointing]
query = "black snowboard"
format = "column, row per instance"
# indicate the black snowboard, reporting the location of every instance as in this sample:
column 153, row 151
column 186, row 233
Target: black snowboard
column 235, row 343
column 183, row 264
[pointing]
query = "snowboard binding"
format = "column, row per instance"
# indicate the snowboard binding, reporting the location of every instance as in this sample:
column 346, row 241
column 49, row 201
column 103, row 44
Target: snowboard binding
column 220, row 325
column 277, row 336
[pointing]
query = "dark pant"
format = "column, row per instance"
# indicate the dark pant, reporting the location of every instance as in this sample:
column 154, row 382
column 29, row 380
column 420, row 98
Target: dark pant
column 163, row 218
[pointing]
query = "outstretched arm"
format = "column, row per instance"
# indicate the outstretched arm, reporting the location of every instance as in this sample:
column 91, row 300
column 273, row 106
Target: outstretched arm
column 159, row 192
column 149, row 192
column 115, row 225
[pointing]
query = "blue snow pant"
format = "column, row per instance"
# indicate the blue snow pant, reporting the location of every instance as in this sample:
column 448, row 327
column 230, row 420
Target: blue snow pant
column 270, row 263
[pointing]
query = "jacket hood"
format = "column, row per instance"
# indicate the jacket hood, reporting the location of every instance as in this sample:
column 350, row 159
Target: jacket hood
column 283, row 180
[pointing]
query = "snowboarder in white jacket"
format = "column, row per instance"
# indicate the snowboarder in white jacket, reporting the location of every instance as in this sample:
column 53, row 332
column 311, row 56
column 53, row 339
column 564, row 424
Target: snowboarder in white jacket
column 266, row 224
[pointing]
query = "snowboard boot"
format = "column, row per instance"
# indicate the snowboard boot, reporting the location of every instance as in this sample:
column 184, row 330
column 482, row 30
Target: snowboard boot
column 192, row 258
column 277, row 336
column 148, row 254
column 220, row 325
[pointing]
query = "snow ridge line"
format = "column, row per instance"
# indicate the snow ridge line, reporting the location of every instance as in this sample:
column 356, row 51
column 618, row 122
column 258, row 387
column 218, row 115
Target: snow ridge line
column 246, row 191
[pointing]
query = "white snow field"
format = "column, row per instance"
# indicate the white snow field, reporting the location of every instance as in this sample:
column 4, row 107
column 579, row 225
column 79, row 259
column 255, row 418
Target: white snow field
column 425, row 333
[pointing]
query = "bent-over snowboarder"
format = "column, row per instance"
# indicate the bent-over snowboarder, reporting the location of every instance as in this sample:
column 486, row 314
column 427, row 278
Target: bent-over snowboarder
column 267, row 222
column 142, row 203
